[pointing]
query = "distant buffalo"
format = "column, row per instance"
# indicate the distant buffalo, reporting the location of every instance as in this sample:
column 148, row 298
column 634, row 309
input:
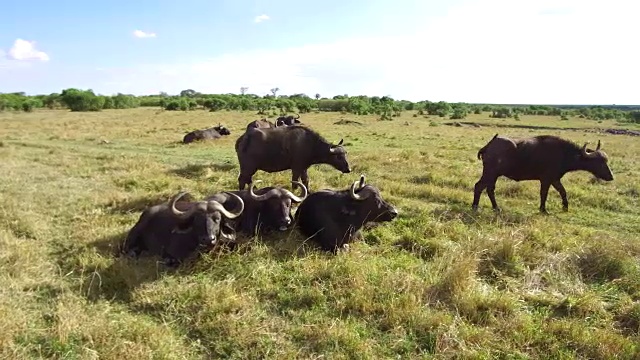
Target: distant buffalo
column 206, row 134
column 262, row 123
column 267, row 209
column 545, row 158
column 334, row 218
column 284, row 148
column 174, row 230
column 288, row 120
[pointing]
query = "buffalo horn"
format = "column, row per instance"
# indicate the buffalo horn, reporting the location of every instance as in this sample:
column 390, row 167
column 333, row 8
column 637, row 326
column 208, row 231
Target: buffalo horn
column 298, row 116
column 268, row 195
column 216, row 206
column 293, row 197
column 598, row 147
column 183, row 215
column 361, row 182
column 353, row 192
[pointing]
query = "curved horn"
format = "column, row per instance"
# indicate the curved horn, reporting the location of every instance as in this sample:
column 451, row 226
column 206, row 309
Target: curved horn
column 361, row 185
column 298, row 116
column 293, row 197
column 216, row 206
column 182, row 215
column 269, row 194
column 340, row 143
column 598, row 147
column 584, row 149
column 353, row 192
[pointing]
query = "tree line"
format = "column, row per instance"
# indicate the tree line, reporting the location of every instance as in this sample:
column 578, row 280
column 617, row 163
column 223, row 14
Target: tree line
column 273, row 105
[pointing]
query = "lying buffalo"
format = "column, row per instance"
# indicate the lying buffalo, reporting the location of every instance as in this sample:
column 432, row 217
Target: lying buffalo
column 545, row 158
column 174, row 230
column 334, row 218
column 288, row 120
column 262, row 123
column 215, row 132
column 265, row 210
column 284, row 148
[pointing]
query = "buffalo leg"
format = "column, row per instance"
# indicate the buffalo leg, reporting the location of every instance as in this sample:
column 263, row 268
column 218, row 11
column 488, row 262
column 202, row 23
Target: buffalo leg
column 489, row 183
column 305, row 179
column 544, row 191
column 245, row 178
column 296, row 175
column 563, row 194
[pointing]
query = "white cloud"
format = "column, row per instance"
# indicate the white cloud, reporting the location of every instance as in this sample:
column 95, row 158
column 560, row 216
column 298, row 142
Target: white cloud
column 142, row 34
column 533, row 51
column 261, row 18
column 23, row 50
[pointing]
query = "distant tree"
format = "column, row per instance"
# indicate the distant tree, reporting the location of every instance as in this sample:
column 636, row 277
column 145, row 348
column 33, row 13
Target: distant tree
column 274, row 91
column 188, row 93
column 243, row 90
column 317, row 96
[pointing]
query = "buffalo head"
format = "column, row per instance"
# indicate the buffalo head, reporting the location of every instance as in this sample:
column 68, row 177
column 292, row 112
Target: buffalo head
column 222, row 130
column 277, row 202
column 376, row 208
column 596, row 162
column 205, row 219
column 337, row 157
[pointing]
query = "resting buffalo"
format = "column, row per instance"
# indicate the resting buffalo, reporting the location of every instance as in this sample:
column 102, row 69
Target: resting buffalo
column 334, row 218
column 262, row 123
column 284, row 148
column 206, row 134
column 175, row 229
column 267, row 209
column 545, row 158
column 288, row 120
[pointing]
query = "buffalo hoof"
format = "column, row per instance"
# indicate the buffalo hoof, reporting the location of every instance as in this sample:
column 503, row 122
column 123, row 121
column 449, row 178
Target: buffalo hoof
column 565, row 208
column 474, row 208
column 544, row 212
column 497, row 210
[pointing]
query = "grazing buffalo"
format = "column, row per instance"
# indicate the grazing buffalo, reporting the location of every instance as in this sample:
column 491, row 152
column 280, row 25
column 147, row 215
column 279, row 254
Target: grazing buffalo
column 288, row 120
column 260, row 124
column 206, row 134
column 284, row 148
column 175, row 229
column 334, row 218
column 265, row 210
column 545, row 158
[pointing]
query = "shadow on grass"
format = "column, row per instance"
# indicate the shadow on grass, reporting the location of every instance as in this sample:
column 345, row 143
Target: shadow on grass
column 195, row 171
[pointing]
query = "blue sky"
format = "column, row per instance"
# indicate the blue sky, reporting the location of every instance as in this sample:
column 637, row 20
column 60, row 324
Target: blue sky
column 502, row 51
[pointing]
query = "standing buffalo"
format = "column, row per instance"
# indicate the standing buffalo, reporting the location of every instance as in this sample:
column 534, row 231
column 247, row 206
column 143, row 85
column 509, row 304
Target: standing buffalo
column 288, row 120
column 266, row 210
column 206, row 134
column 334, row 218
column 545, row 158
column 284, row 148
column 175, row 229
column 262, row 123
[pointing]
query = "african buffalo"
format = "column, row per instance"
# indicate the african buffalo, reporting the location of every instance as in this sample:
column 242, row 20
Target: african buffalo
column 206, row 134
column 288, row 120
column 267, row 209
column 262, row 123
column 284, row 148
column 334, row 218
column 175, row 229
column 545, row 158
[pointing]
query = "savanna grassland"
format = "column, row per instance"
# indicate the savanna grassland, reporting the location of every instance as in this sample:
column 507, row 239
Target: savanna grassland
column 440, row 281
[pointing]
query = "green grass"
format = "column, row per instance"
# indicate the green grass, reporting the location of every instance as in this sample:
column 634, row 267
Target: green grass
column 439, row 281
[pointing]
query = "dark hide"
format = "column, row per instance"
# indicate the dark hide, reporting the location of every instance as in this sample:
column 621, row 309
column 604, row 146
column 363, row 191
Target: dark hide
column 334, row 218
column 265, row 210
column 544, row 158
column 213, row 133
column 174, row 230
column 293, row 148
column 288, row 120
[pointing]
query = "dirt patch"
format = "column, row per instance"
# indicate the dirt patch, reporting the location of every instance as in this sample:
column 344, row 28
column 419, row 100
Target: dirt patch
column 518, row 126
column 347, row 122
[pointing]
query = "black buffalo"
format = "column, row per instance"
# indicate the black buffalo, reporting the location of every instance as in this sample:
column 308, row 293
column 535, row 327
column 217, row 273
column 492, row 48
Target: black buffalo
column 265, row 210
column 545, row 158
column 288, row 120
column 215, row 132
column 262, row 123
column 175, row 229
column 283, row 148
column 334, row 218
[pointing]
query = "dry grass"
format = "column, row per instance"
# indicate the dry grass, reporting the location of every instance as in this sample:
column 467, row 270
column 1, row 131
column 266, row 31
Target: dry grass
column 440, row 280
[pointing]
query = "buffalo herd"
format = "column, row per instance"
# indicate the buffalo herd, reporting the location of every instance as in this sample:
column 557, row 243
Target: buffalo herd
column 332, row 219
